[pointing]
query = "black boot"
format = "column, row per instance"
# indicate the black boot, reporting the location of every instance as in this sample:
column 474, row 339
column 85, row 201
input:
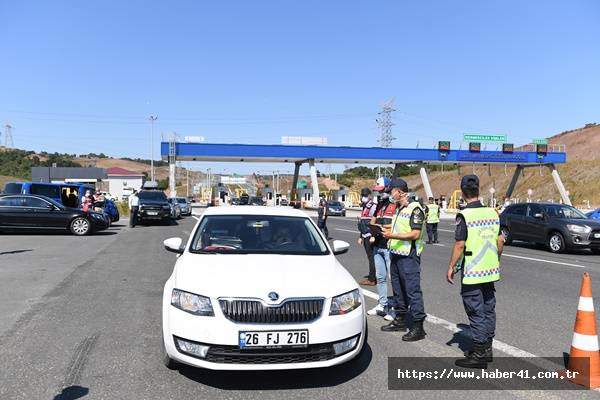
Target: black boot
column 415, row 333
column 398, row 324
column 475, row 358
column 489, row 355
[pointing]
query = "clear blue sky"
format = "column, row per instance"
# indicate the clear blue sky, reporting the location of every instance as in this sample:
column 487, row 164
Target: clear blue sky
column 82, row 77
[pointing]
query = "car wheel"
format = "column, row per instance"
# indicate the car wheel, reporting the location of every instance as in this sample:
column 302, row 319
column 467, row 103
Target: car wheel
column 506, row 233
column 80, row 226
column 168, row 361
column 556, row 242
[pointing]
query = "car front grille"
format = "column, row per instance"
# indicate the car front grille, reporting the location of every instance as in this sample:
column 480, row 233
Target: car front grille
column 233, row 355
column 151, row 208
column 254, row 311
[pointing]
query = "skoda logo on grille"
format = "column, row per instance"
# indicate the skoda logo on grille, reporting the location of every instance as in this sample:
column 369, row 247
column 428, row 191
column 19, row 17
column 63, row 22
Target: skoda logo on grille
column 273, row 296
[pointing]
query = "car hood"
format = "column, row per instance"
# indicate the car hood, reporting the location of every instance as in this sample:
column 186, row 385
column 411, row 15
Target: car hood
column 256, row 275
column 592, row 223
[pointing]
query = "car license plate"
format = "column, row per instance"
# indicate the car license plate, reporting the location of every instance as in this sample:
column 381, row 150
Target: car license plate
column 152, row 212
column 273, row 339
column 597, row 235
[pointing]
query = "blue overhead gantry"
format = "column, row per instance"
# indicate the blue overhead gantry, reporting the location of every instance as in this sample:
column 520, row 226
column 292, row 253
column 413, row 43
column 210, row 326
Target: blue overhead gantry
column 299, row 154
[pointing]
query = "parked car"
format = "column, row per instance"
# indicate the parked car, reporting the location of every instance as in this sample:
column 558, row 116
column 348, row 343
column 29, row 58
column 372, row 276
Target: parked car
column 559, row 227
column 284, row 202
column 185, row 205
column 256, row 201
column 153, row 206
column 68, row 194
column 175, row 208
column 336, row 208
column 235, row 201
column 35, row 212
column 244, row 199
column 274, row 315
column 594, row 214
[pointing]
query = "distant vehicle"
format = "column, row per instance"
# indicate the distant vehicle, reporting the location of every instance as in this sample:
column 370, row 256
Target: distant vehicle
column 243, row 295
column 185, row 205
column 244, row 199
column 153, row 206
column 35, row 212
column 336, row 208
column 175, row 208
column 594, row 214
column 557, row 226
column 256, row 201
column 284, row 202
column 235, row 201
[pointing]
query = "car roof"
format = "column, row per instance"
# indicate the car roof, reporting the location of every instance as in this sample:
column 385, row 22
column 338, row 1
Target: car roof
column 255, row 210
column 542, row 203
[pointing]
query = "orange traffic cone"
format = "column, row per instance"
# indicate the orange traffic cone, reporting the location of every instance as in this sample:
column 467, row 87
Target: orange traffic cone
column 584, row 357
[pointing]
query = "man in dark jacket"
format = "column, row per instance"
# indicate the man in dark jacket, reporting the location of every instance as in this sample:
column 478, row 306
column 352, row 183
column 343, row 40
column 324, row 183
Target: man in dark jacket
column 368, row 211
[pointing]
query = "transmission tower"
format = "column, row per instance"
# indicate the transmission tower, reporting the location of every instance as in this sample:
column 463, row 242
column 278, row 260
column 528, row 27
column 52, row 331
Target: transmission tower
column 8, row 138
column 385, row 124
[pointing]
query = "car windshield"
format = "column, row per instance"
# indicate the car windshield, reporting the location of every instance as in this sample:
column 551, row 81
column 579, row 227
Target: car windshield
column 564, row 212
column 155, row 196
column 257, row 234
column 181, row 201
column 334, row 203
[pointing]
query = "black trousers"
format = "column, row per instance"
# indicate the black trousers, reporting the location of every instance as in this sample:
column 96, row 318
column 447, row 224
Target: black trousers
column 432, row 234
column 369, row 250
column 322, row 224
column 133, row 216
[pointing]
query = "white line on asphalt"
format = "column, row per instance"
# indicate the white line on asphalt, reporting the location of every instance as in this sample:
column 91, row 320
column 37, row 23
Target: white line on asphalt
column 542, row 260
column 346, row 230
column 446, row 230
column 451, row 326
column 196, row 218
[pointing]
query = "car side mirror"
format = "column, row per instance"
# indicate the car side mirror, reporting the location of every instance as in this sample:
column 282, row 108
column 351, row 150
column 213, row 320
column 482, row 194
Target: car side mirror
column 340, row 247
column 174, row 245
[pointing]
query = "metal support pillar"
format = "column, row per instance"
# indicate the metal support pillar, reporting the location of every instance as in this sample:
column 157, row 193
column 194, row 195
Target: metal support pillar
column 513, row 182
column 172, row 166
column 294, row 191
column 559, row 185
column 314, row 182
column 426, row 184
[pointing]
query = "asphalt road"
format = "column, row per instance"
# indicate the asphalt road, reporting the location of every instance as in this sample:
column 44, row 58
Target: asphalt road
column 80, row 318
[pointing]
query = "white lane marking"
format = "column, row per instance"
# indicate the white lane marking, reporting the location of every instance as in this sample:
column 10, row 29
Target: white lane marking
column 451, row 326
column 347, row 230
column 446, row 230
column 196, row 218
column 542, row 260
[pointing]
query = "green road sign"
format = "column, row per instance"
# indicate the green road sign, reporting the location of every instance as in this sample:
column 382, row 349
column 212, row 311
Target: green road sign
column 539, row 141
column 475, row 137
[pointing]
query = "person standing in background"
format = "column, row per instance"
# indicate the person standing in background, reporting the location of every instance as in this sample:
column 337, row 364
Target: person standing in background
column 134, row 203
column 433, row 218
column 368, row 211
column 322, row 212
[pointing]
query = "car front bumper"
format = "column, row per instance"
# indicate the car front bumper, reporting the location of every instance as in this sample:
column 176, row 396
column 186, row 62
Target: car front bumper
column 221, row 336
column 162, row 214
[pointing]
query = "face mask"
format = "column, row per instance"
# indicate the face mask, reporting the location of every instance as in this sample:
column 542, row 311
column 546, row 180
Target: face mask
column 365, row 199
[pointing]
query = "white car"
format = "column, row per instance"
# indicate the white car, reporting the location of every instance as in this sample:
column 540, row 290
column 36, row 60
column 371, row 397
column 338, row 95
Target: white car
column 259, row 288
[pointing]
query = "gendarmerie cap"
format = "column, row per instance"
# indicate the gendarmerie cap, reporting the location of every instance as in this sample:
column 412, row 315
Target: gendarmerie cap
column 469, row 182
column 399, row 183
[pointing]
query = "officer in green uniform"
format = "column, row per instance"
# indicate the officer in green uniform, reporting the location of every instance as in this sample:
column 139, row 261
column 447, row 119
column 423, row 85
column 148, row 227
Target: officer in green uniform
column 406, row 245
column 477, row 251
column 433, row 219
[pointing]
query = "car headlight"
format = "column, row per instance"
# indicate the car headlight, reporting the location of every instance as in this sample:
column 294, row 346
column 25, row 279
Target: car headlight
column 579, row 228
column 344, row 303
column 192, row 303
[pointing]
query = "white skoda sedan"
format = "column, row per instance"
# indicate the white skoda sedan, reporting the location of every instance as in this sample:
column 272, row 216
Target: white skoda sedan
column 259, row 288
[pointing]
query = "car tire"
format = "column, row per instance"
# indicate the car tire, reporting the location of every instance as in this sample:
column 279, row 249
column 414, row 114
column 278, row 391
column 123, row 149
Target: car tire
column 556, row 242
column 80, row 226
column 166, row 360
column 506, row 233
